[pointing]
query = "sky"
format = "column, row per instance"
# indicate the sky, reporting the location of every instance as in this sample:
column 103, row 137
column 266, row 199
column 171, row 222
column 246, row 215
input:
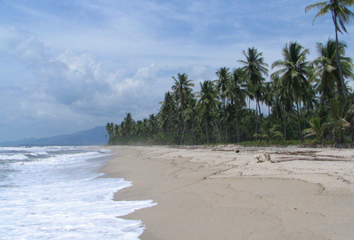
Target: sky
column 71, row 65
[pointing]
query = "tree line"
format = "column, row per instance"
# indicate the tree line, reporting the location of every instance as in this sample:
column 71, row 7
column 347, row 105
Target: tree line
column 304, row 99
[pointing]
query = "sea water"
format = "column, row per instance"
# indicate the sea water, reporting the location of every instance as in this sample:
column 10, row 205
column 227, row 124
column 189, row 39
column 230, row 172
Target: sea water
column 56, row 193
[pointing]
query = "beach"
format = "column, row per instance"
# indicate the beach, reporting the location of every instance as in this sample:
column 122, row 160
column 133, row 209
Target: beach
column 217, row 193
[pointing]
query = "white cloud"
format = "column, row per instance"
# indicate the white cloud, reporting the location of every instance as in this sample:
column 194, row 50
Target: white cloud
column 71, row 86
column 90, row 62
column 20, row 44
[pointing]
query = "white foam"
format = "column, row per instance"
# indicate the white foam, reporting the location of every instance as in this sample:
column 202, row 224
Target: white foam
column 64, row 198
column 13, row 157
column 36, row 154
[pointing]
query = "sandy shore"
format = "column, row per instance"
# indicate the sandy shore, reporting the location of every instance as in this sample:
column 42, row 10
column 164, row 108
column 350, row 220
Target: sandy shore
column 215, row 193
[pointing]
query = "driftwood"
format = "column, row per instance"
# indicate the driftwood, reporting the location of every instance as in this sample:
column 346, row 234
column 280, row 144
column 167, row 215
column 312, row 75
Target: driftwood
column 223, row 150
column 323, row 159
column 312, row 153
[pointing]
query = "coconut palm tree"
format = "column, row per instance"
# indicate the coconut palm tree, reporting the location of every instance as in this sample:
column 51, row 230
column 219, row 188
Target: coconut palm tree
column 236, row 92
column 182, row 89
column 208, row 100
column 283, row 101
column 167, row 112
column 268, row 96
column 128, row 125
column 293, row 74
column 255, row 68
column 327, row 68
column 319, row 124
column 109, row 129
column 340, row 16
column 221, row 85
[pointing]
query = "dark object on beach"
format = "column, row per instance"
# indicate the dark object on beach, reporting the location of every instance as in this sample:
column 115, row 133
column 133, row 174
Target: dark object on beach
column 237, row 151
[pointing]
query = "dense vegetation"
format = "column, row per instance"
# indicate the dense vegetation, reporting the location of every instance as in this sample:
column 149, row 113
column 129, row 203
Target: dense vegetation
column 305, row 99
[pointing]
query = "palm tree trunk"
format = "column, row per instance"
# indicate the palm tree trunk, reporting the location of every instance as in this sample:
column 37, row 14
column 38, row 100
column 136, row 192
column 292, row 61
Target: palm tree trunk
column 225, row 124
column 298, row 120
column 183, row 134
column 338, row 59
column 237, row 127
column 206, row 129
column 260, row 117
column 284, row 123
column 256, row 130
column 217, row 129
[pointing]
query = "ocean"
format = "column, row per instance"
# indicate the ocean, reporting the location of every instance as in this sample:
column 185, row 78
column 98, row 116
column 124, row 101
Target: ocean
column 56, row 193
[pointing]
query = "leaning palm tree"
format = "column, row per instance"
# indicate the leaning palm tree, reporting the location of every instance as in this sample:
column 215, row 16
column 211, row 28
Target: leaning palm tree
column 208, row 100
column 255, row 68
column 221, row 85
column 340, row 16
column 293, row 74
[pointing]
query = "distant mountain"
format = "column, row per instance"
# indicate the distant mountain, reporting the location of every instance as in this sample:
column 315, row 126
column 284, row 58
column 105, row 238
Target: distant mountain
column 94, row 136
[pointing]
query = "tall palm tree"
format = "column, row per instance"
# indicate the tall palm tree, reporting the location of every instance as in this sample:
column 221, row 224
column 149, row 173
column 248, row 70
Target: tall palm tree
column 268, row 95
column 167, row 110
column 208, row 100
column 293, row 74
column 221, row 85
column 237, row 92
column 109, row 129
column 152, row 124
column 255, row 68
column 182, row 89
column 283, row 101
column 327, row 68
column 340, row 16
column 129, row 124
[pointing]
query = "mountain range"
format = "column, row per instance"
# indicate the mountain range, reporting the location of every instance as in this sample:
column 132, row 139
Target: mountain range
column 94, row 136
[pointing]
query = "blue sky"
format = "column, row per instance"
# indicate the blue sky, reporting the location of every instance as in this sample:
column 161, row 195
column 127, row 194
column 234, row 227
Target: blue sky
column 73, row 65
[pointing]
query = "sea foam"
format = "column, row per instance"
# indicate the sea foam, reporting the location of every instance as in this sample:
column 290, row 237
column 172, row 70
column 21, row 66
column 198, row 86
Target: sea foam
column 63, row 197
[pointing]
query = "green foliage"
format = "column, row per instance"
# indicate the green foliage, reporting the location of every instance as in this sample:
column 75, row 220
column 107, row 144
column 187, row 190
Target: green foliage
column 300, row 95
column 282, row 143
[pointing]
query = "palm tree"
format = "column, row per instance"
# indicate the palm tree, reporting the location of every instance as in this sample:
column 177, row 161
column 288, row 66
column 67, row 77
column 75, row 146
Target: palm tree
column 237, row 92
column 283, row 101
column 327, row 68
column 293, row 72
column 109, row 129
column 221, row 85
column 128, row 124
column 255, row 68
column 182, row 89
column 268, row 96
column 208, row 99
column 152, row 124
column 340, row 16
column 167, row 110
column 319, row 125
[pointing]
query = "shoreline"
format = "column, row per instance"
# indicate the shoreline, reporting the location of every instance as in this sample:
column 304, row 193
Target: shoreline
column 215, row 193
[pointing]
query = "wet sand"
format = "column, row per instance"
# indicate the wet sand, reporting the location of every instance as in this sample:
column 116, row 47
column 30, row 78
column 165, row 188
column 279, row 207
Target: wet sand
column 215, row 193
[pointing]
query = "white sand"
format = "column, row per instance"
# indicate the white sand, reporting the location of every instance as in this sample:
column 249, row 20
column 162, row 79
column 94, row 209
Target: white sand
column 215, row 193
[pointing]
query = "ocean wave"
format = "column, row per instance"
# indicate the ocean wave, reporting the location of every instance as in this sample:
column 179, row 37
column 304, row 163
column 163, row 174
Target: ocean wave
column 36, row 154
column 13, row 157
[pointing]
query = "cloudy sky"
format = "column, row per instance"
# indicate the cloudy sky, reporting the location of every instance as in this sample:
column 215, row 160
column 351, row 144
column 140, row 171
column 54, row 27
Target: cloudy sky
column 71, row 65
